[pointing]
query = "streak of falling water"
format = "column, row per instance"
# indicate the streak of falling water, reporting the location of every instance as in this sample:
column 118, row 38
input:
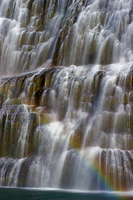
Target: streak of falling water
column 14, row 167
column 3, row 170
column 22, row 143
column 59, row 168
column 14, row 173
column 76, row 32
column 91, row 125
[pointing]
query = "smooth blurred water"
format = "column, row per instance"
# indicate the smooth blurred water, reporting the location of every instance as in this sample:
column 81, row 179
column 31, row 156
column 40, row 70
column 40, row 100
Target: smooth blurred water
column 69, row 124
column 34, row 194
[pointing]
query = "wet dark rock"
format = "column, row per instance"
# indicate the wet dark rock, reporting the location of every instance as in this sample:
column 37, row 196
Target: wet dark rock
column 23, row 174
column 9, row 162
column 107, row 122
column 10, row 9
column 33, row 123
column 106, row 57
column 129, row 81
column 131, row 13
column 67, row 180
column 97, row 81
column 125, row 98
column 29, row 5
column 78, row 134
column 38, row 95
column 107, row 154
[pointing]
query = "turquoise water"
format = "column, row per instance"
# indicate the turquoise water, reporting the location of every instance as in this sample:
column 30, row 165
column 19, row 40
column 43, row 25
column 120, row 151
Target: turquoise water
column 28, row 194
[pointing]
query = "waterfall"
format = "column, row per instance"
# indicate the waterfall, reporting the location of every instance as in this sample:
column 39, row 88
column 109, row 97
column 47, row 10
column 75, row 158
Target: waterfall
column 66, row 99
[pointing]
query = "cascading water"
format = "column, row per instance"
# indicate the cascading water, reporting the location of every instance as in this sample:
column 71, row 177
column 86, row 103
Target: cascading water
column 66, row 99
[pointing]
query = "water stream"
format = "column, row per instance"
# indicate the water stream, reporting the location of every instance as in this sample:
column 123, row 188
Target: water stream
column 66, row 99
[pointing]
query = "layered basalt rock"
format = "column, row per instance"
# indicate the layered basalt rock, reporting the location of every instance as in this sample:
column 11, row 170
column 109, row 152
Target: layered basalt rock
column 66, row 112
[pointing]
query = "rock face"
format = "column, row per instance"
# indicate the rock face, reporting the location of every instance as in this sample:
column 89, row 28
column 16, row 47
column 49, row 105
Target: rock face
column 63, row 32
column 54, row 120
column 66, row 99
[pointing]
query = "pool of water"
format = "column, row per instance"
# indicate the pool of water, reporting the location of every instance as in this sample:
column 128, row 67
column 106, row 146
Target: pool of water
column 53, row 194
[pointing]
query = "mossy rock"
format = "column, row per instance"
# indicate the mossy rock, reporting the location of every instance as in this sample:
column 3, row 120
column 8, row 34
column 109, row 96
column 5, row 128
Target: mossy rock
column 95, row 85
column 125, row 98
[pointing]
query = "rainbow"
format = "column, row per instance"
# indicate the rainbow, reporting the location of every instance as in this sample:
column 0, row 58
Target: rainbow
column 106, row 184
